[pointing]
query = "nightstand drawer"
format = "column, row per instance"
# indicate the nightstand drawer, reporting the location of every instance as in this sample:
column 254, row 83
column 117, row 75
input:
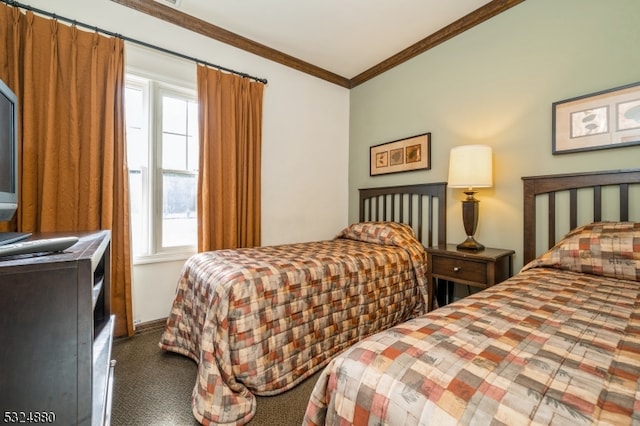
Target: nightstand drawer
column 462, row 269
column 449, row 265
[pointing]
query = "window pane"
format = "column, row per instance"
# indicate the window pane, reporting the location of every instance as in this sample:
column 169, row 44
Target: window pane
column 137, row 160
column 137, row 149
column 193, row 119
column 174, row 115
column 174, row 152
column 133, row 98
column 137, row 144
column 137, row 213
column 179, row 224
column 192, row 155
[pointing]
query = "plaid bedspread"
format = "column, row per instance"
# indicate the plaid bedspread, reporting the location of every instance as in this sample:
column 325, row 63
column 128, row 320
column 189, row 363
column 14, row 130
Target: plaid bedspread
column 545, row 347
column 261, row 320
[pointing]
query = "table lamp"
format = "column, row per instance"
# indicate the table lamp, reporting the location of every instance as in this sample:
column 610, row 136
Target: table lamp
column 470, row 166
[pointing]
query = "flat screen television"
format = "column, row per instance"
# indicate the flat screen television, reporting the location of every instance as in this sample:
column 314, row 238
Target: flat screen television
column 8, row 152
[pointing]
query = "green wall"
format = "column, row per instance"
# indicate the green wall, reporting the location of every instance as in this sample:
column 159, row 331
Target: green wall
column 494, row 85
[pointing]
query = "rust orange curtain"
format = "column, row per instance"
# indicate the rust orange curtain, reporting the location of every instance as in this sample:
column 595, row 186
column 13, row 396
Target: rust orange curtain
column 230, row 120
column 70, row 85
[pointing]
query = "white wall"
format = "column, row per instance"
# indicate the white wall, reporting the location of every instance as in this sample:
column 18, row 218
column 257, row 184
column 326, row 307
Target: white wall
column 305, row 137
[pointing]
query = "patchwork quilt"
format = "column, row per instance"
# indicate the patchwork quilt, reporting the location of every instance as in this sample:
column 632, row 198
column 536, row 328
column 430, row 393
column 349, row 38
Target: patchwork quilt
column 261, row 320
column 557, row 344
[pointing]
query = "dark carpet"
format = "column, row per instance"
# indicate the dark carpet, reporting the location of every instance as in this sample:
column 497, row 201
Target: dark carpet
column 153, row 387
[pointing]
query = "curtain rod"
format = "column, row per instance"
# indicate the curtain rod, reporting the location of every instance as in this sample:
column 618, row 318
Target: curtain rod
column 129, row 39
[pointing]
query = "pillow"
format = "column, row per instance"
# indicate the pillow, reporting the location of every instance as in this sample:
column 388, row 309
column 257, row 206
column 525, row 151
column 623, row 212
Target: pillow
column 387, row 233
column 609, row 249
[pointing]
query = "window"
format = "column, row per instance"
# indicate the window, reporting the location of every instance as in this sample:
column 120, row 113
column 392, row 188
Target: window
column 162, row 145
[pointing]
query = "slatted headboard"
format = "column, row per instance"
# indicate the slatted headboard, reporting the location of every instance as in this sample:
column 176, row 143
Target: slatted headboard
column 594, row 183
column 421, row 206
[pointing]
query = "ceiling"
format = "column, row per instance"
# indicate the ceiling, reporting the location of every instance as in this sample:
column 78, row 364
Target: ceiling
column 342, row 41
column 344, row 37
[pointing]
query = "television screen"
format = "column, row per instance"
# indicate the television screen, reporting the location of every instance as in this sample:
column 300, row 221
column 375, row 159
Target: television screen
column 6, row 180
column 8, row 152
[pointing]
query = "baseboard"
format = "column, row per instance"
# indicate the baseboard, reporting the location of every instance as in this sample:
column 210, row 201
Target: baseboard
column 143, row 327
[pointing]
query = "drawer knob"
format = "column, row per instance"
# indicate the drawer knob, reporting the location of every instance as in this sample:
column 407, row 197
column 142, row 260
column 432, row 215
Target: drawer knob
column 456, row 269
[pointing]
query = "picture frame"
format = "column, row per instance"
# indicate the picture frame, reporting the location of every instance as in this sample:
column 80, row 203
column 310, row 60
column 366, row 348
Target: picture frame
column 402, row 155
column 601, row 120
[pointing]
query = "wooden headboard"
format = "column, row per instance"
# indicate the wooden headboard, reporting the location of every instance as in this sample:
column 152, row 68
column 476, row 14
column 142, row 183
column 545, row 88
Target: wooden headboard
column 422, row 206
column 594, row 184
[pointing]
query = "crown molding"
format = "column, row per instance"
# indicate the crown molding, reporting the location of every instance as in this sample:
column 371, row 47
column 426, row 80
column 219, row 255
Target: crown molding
column 176, row 17
column 468, row 21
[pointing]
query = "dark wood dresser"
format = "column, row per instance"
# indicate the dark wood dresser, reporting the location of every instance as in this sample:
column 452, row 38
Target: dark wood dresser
column 56, row 332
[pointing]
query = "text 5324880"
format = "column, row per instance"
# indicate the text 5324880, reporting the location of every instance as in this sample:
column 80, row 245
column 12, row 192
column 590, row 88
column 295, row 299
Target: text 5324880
column 29, row 417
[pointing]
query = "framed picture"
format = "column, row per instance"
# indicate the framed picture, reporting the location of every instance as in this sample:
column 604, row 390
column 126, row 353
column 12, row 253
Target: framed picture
column 607, row 119
column 403, row 155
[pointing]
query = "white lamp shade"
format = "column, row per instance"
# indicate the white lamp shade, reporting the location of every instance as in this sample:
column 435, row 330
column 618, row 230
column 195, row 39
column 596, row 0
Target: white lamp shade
column 470, row 166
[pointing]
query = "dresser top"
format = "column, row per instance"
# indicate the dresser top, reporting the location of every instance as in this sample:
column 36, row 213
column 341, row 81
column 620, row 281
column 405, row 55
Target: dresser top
column 90, row 246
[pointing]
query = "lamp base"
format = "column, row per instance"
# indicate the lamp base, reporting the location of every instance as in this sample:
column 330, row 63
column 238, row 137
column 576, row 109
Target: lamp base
column 470, row 244
column 470, row 207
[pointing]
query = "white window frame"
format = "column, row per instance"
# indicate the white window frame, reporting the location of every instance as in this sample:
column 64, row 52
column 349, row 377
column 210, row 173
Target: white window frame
column 153, row 88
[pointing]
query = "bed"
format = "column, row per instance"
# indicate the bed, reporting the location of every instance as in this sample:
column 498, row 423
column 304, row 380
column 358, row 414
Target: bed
column 258, row 321
column 558, row 343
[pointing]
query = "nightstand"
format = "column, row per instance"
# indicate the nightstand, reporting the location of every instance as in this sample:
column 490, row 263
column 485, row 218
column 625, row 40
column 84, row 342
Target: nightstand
column 478, row 269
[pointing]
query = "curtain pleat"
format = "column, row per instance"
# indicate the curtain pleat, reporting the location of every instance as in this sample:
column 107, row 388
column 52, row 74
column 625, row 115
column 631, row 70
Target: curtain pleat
column 230, row 120
column 70, row 85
